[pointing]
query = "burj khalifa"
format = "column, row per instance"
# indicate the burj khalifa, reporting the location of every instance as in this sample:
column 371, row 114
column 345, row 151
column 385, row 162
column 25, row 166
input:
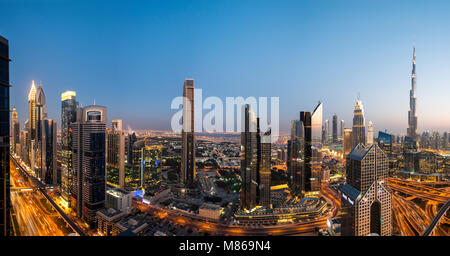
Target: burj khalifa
column 412, row 114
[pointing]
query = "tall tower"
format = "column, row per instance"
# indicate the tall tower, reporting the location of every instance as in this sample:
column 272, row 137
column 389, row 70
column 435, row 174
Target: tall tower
column 366, row 198
column 264, row 170
column 15, row 131
column 335, row 128
column 88, row 158
column 359, row 125
column 40, row 114
column 342, row 128
column 412, row 114
column 5, row 202
column 69, row 107
column 249, row 158
column 370, row 133
column 115, row 152
column 188, row 135
column 31, row 111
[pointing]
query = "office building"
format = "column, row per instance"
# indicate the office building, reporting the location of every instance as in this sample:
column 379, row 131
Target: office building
column 5, row 201
column 305, row 118
column 146, row 164
column 40, row 114
column 335, row 128
column 366, row 199
column 342, row 128
column 188, row 176
column 88, row 162
column 15, row 132
column 118, row 199
column 359, row 125
column 115, row 154
column 370, row 133
column 347, row 141
column 48, row 147
column 249, row 158
column 69, row 107
column 326, row 133
column 264, row 170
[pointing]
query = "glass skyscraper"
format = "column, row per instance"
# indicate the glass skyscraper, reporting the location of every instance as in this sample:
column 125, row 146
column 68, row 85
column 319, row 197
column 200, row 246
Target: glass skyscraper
column 5, row 201
column 69, row 107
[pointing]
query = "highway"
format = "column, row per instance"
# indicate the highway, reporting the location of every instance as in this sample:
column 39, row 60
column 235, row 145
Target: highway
column 410, row 218
column 38, row 185
column 436, row 219
column 33, row 215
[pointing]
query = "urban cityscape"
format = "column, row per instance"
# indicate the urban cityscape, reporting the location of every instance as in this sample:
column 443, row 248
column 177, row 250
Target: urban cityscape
column 83, row 174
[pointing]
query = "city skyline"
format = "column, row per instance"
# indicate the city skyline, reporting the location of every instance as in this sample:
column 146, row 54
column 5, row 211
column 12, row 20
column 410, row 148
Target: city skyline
column 289, row 50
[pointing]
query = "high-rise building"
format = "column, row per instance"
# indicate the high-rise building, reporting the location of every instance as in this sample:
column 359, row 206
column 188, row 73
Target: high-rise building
column 335, row 128
column 88, row 162
column 131, row 139
column 316, row 125
column 370, row 133
column 69, row 107
column 293, row 156
column 326, row 130
column 249, row 158
column 15, row 131
column 188, row 175
column 31, row 111
column 412, row 114
column 305, row 118
column 264, row 170
column 40, row 115
column 115, row 154
column 146, row 164
column 5, row 200
column 359, row 125
column 365, row 197
column 49, row 169
column 347, row 143
column 342, row 128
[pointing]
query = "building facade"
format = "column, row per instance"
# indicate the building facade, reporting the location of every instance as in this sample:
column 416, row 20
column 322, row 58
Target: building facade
column 188, row 176
column 412, row 114
column 359, row 125
column 5, row 201
column 88, row 162
column 69, row 107
column 366, row 199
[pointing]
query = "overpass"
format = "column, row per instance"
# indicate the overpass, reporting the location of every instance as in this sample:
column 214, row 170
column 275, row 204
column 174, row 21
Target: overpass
column 41, row 187
column 436, row 219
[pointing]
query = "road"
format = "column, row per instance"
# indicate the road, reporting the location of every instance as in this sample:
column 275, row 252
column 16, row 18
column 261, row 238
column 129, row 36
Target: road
column 39, row 186
column 33, row 215
column 410, row 218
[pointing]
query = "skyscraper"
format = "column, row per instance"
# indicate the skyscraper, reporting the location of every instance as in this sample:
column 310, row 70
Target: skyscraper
column 305, row 118
column 359, row 125
column 326, row 132
column 31, row 111
column 49, row 169
column 15, row 131
column 366, row 198
column 335, row 128
column 264, row 171
column 188, row 175
column 347, row 143
column 69, row 107
column 249, row 158
column 316, row 125
column 342, row 128
column 412, row 114
column 88, row 162
column 5, row 201
column 115, row 154
column 370, row 133
column 40, row 115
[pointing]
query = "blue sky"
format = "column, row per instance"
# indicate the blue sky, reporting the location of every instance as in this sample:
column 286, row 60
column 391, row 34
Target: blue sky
column 132, row 56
